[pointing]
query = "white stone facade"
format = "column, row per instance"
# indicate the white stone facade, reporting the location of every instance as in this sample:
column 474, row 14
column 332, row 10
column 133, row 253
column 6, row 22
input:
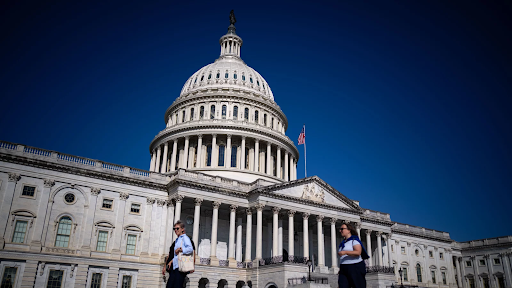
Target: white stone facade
column 230, row 174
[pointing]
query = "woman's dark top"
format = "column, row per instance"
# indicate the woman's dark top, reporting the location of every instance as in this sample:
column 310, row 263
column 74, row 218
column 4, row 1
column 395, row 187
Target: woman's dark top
column 171, row 255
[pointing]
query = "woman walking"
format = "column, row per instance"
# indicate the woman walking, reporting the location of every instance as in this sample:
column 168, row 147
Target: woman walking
column 352, row 268
column 182, row 244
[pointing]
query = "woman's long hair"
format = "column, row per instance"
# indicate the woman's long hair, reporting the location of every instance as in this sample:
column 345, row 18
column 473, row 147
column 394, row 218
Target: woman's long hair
column 352, row 229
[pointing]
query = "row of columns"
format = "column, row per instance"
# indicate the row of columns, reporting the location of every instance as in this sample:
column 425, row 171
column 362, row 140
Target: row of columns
column 235, row 229
column 230, row 47
column 160, row 161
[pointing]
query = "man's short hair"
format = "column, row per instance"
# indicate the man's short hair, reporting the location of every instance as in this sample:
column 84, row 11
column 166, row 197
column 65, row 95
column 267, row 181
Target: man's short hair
column 179, row 222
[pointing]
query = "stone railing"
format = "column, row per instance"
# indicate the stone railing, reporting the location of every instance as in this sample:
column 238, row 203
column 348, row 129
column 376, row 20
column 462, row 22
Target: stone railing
column 377, row 215
column 380, row 269
column 224, row 263
column 481, row 243
column 77, row 161
column 420, row 231
column 199, row 177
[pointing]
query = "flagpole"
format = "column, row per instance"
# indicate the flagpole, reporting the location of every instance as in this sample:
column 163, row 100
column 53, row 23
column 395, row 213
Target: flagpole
column 305, row 169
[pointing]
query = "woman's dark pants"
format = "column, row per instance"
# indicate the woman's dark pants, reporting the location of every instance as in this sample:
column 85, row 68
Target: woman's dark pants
column 176, row 279
column 352, row 275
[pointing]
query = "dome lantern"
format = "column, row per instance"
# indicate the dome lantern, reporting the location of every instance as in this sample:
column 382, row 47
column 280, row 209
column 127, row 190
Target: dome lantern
column 231, row 43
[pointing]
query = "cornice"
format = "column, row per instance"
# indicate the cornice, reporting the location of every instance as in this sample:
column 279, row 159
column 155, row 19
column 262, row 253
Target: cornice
column 16, row 159
column 376, row 221
column 497, row 245
column 418, row 235
column 177, row 182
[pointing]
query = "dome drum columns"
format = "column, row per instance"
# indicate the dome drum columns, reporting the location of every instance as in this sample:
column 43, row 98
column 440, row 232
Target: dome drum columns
column 224, row 151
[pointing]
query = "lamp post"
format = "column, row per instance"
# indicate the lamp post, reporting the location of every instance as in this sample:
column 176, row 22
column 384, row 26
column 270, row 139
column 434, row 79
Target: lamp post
column 309, row 270
column 401, row 281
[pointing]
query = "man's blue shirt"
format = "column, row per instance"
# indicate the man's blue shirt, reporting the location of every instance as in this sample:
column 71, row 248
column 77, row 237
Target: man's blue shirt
column 184, row 242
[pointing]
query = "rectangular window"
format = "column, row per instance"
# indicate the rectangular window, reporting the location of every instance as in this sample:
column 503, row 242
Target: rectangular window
column 443, row 274
column 471, row 283
column 431, row 254
column 19, row 232
column 101, row 245
column 468, row 264
column 9, row 278
column 481, row 262
column 222, row 149
column 433, row 273
column 107, row 204
column 135, row 208
column 234, row 151
column 191, row 114
column 224, row 111
column 55, row 279
column 501, row 282
column 235, row 113
column 96, row 280
column 183, row 116
column 28, row 191
column 246, row 114
column 402, row 249
column 127, row 281
column 496, row 261
column 404, row 272
column 131, row 242
column 201, row 112
column 212, row 112
column 441, row 256
column 486, row 282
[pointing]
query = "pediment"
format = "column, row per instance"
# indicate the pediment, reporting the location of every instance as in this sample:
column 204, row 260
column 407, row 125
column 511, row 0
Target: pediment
column 315, row 190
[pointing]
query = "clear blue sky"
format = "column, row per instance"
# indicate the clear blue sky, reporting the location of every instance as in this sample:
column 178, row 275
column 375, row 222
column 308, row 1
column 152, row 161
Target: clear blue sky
column 407, row 103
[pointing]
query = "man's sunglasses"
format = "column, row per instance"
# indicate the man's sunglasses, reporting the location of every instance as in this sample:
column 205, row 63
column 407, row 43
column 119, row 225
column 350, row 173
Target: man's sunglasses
column 175, row 228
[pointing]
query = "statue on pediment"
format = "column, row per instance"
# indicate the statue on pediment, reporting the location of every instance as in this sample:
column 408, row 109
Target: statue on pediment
column 309, row 192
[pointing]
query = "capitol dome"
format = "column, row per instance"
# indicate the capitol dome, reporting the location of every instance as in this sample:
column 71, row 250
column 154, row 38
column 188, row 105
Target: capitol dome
column 226, row 123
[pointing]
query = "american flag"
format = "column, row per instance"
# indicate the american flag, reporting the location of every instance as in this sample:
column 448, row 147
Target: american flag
column 302, row 135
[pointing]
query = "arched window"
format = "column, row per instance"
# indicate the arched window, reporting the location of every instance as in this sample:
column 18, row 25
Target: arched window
column 201, row 112
column 209, row 155
column 226, row 75
column 243, row 77
column 63, row 232
column 257, row 81
column 272, row 123
column 265, row 119
column 256, row 116
column 195, row 80
column 235, row 113
column 191, row 114
column 202, row 78
column 246, row 114
column 218, row 75
column 274, row 166
column 222, row 150
column 234, row 75
column 212, row 112
column 210, row 76
column 418, row 272
column 251, row 79
column 234, row 150
column 224, row 108
column 183, row 116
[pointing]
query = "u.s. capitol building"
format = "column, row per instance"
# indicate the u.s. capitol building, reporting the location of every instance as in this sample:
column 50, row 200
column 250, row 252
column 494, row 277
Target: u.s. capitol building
column 225, row 167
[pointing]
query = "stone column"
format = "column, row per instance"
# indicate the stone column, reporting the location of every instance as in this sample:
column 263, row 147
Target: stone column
column 165, row 159
column 173, row 157
column 147, row 226
column 275, row 231
column 248, row 236
column 158, row 156
column 231, row 247
column 334, row 248
column 184, row 160
column 388, row 243
column 239, row 240
column 120, row 212
column 278, row 162
column 37, row 234
column 320, row 232
column 199, row 162
column 6, row 204
column 269, row 158
column 153, row 162
column 358, row 228
column 369, row 244
column 177, row 212
column 170, row 224
column 215, row 152
column 305, row 232
column 291, row 169
column 506, row 267
column 197, row 219
column 379, row 247
column 227, row 159
column 256, row 158
column 459, row 273
column 242, row 155
column 259, row 230
column 286, row 162
column 214, row 261
column 162, row 203
column 291, row 244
